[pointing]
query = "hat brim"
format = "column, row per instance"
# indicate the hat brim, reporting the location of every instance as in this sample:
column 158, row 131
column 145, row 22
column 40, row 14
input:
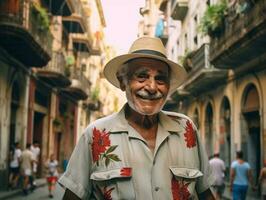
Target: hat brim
column 178, row 73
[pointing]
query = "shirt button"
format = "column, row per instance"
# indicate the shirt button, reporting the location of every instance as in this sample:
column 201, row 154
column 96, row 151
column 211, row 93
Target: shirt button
column 157, row 189
column 153, row 162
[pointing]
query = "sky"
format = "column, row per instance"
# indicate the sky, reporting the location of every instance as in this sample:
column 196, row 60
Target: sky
column 122, row 17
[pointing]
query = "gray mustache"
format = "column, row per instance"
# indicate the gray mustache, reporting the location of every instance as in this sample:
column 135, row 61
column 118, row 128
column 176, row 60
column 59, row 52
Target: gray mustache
column 146, row 95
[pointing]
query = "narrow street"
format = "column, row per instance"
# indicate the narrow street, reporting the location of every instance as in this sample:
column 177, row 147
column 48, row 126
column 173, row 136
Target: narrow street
column 41, row 193
column 61, row 89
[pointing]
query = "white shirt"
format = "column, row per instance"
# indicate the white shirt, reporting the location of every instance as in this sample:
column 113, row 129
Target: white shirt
column 15, row 161
column 218, row 169
column 35, row 151
column 52, row 168
column 113, row 161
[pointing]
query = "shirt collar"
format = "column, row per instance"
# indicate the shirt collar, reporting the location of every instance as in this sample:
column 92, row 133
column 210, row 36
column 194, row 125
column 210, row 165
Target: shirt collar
column 120, row 124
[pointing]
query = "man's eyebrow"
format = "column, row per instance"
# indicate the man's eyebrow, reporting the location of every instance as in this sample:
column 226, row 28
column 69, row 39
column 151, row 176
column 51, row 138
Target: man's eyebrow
column 163, row 72
column 141, row 70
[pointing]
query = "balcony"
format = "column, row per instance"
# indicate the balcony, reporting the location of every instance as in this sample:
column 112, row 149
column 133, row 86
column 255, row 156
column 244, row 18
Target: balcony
column 79, row 88
column 81, row 42
column 179, row 9
column 24, row 32
column 243, row 39
column 202, row 75
column 161, row 31
column 77, row 22
column 55, row 72
column 59, row 7
column 96, row 49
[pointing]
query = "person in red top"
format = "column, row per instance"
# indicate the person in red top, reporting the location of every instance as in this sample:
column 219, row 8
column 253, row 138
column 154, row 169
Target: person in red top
column 52, row 174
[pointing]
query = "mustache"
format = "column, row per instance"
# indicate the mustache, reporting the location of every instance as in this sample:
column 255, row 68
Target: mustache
column 146, row 95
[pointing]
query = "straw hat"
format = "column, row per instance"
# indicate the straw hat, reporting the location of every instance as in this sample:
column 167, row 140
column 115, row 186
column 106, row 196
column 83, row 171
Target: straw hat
column 145, row 47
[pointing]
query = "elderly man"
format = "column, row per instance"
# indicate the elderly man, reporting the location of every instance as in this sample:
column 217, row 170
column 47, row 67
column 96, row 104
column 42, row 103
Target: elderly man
column 141, row 152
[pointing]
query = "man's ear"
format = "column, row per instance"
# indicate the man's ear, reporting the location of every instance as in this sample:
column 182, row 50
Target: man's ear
column 121, row 83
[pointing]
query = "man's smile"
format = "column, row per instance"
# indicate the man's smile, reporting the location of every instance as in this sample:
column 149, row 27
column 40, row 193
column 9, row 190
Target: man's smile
column 147, row 96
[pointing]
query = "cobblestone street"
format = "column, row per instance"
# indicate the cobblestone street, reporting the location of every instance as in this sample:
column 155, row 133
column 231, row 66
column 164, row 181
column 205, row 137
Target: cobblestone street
column 41, row 193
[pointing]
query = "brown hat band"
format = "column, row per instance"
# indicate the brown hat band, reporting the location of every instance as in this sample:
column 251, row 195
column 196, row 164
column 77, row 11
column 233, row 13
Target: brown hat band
column 151, row 52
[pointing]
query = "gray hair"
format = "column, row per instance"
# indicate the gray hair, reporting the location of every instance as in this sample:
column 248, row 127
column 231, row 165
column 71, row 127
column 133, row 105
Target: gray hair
column 122, row 73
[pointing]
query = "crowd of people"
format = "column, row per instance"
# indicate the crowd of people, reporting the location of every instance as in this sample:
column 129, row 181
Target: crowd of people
column 241, row 177
column 24, row 168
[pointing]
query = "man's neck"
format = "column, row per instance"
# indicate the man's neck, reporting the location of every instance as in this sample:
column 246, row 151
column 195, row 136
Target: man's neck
column 143, row 121
column 145, row 125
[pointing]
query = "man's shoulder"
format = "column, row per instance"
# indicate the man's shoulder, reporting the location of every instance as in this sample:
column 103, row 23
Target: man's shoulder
column 175, row 115
column 104, row 123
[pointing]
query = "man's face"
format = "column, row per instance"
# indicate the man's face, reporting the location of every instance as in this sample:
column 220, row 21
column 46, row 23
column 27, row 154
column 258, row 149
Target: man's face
column 148, row 85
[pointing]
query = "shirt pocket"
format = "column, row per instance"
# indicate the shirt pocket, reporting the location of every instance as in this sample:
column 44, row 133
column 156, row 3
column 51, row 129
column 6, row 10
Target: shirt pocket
column 114, row 183
column 184, row 182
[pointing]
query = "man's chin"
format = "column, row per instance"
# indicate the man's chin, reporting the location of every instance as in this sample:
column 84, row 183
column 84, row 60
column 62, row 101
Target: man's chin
column 148, row 110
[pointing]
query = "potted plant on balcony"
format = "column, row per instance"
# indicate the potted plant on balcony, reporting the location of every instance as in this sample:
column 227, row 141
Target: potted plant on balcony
column 41, row 16
column 212, row 22
column 70, row 61
column 57, row 123
column 94, row 103
column 186, row 60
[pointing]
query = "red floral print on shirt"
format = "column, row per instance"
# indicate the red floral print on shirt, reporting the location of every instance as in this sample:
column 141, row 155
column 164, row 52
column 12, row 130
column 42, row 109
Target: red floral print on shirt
column 100, row 143
column 101, row 147
column 180, row 190
column 126, row 171
column 107, row 193
column 190, row 135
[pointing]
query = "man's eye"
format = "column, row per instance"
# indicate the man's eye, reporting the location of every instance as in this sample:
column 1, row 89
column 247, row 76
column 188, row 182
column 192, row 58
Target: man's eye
column 162, row 79
column 141, row 77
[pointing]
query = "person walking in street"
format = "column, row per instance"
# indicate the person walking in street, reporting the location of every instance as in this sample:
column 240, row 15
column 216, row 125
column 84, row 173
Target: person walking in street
column 218, row 169
column 240, row 177
column 140, row 152
column 52, row 174
column 14, row 156
column 35, row 149
column 26, row 160
column 262, row 181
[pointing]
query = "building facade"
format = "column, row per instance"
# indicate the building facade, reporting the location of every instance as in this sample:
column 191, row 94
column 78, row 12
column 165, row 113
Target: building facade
column 46, row 48
column 224, row 92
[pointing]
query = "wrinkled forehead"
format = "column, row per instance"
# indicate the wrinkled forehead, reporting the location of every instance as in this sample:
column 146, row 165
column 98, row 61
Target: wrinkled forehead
column 145, row 64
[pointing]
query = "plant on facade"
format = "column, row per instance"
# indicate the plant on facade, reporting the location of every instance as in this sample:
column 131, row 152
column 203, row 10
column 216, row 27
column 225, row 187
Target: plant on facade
column 95, row 92
column 41, row 16
column 70, row 60
column 186, row 61
column 94, row 103
column 57, row 122
column 212, row 22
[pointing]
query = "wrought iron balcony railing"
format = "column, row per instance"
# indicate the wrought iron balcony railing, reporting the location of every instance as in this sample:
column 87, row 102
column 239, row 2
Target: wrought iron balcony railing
column 55, row 72
column 24, row 32
column 244, row 36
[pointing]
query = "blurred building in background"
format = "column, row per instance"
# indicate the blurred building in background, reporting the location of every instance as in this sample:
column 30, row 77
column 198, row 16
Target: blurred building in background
column 51, row 54
column 222, row 47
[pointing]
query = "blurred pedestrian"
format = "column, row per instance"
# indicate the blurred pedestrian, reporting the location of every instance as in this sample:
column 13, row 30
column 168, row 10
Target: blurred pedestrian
column 218, row 169
column 240, row 177
column 52, row 174
column 15, row 153
column 35, row 149
column 26, row 160
column 262, row 181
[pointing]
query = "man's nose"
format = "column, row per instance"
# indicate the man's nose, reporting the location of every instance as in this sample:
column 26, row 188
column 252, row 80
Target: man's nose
column 151, row 85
